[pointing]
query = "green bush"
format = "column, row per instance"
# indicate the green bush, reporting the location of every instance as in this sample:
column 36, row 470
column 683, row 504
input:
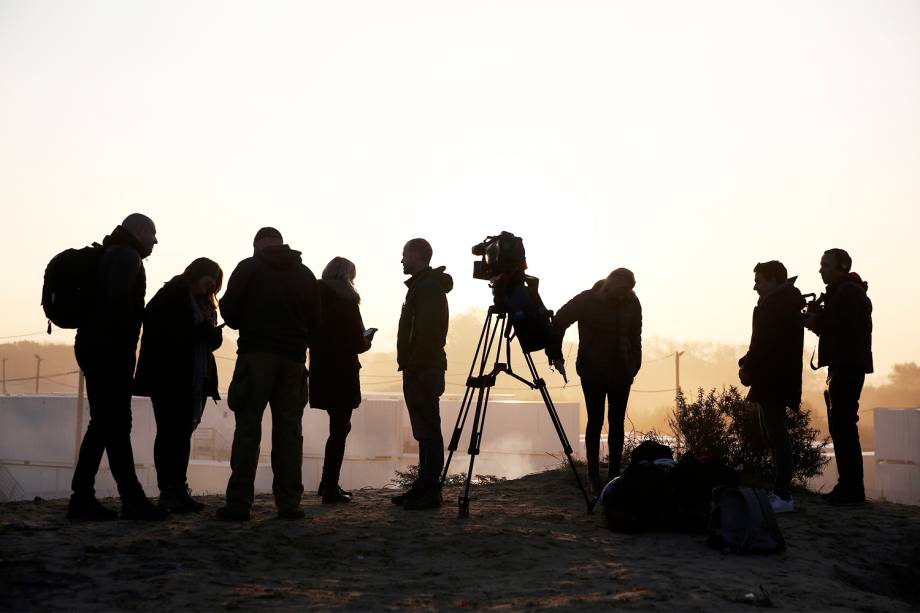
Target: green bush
column 724, row 424
column 404, row 479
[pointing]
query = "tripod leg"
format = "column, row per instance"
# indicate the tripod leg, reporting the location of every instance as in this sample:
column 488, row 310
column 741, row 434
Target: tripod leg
column 479, row 418
column 560, row 430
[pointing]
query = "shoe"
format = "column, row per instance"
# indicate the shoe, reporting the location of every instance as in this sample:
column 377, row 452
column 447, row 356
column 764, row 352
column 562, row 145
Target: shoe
column 291, row 514
column 830, row 494
column 88, row 508
column 179, row 501
column 428, row 498
column 336, row 496
column 842, row 498
column 400, row 499
column 781, row 505
column 142, row 510
column 321, row 490
column 228, row 514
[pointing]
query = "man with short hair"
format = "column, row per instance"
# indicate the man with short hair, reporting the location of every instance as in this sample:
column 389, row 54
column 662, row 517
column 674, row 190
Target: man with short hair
column 273, row 300
column 772, row 367
column 421, row 358
column 105, row 348
column 844, row 328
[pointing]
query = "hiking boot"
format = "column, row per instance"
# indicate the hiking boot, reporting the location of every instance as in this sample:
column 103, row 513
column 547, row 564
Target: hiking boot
column 401, row 499
column 321, row 490
column 336, row 496
column 780, row 504
column 830, row 494
column 179, row 501
column 142, row 510
column 228, row 514
column 88, row 508
column 428, row 498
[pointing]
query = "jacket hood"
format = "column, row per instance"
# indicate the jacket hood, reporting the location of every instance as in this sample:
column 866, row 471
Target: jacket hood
column 618, row 296
column 280, row 257
column 444, row 280
column 120, row 236
column 851, row 277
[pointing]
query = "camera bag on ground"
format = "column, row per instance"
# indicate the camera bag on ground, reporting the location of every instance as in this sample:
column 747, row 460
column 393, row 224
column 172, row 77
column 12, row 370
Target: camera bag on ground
column 649, row 451
column 742, row 521
column 641, row 498
column 69, row 286
column 693, row 480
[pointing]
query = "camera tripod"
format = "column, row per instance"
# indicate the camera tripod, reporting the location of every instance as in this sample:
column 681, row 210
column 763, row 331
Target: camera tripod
column 497, row 334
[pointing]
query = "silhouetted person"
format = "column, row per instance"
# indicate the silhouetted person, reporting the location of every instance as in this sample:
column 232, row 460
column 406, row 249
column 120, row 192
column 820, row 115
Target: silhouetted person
column 176, row 368
column 334, row 382
column 609, row 320
column 105, row 349
column 422, row 360
column 273, row 301
column 844, row 327
column 772, row 367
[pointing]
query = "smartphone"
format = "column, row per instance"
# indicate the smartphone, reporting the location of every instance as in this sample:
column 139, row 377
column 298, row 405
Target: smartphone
column 369, row 333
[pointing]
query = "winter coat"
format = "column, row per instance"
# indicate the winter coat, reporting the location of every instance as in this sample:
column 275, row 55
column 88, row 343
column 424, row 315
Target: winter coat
column 609, row 334
column 114, row 326
column 844, row 326
column 334, row 365
column 774, row 359
column 423, row 321
column 166, row 366
column 272, row 300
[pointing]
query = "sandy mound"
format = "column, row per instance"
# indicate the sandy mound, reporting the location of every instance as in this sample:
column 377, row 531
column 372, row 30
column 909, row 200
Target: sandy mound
column 528, row 543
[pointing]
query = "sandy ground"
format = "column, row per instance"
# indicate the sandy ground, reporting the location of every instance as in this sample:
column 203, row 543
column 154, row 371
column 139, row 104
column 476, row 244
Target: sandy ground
column 527, row 544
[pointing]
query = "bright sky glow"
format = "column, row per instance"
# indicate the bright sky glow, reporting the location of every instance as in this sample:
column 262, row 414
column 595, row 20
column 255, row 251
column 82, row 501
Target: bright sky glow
column 686, row 141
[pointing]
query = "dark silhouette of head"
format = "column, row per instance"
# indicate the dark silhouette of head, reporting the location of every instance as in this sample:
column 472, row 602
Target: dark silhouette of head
column 619, row 282
column 143, row 230
column 835, row 265
column 340, row 269
column 266, row 237
column 205, row 278
column 768, row 276
column 416, row 256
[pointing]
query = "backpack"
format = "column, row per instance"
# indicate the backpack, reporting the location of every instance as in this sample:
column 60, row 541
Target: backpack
column 649, row 451
column 742, row 521
column 693, row 479
column 639, row 499
column 68, row 291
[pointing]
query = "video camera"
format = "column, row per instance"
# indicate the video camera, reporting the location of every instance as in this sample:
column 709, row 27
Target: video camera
column 814, row 305
column 501, row 255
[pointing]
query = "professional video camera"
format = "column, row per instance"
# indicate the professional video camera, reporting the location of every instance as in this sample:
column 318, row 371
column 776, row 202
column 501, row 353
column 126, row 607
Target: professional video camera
column 503, row 264
column 814, row 305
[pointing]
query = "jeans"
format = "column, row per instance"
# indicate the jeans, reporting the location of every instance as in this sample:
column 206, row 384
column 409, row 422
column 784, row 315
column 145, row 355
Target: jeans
column 422, row 390
column 172, row 446
column 844, row 386
column 262, row 378
column 617, row 396
column 108, row 389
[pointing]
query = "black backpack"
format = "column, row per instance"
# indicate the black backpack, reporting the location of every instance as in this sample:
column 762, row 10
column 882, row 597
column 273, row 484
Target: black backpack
column 69, row 288
column 742, row 521
column 693, row 479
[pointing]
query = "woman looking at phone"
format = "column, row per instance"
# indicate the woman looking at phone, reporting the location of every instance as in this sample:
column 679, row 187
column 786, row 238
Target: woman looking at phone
column 335, row 386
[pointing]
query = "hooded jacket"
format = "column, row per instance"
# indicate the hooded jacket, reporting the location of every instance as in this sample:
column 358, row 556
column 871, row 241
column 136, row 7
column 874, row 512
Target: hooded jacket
column 844, row 326
column 166, row 366
column 609, row 334
column 114, row 326
column 334, row 365
column 273, row 301
column 423, row 321
column 774, row 358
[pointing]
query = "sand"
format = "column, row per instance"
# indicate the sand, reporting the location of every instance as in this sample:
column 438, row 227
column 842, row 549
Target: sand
column 528, row 543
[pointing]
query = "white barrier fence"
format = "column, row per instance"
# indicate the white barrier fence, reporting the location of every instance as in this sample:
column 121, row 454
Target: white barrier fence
column 39, row 436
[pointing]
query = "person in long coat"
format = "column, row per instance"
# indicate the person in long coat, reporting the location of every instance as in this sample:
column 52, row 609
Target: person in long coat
column 335, row 386
column 609, row 318
column 176, row 369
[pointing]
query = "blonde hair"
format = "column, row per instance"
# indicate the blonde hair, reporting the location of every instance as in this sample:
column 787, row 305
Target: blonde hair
column 340, row 269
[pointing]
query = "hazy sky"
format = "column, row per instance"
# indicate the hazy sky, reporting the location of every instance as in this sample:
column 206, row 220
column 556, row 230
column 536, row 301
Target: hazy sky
column 686, row 141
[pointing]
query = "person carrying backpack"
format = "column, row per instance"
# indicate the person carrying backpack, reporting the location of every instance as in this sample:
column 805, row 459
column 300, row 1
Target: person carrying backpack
column 105, row 349
column 609, row 318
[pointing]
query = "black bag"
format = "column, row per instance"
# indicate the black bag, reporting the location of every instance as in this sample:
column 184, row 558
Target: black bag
column 649, row 451
column 639, row 499
column 742, row 521
column 69, row 287
column 693, row 479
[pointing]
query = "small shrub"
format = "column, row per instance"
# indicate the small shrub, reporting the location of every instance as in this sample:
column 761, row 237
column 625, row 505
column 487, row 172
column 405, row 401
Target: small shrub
column 404, row 479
